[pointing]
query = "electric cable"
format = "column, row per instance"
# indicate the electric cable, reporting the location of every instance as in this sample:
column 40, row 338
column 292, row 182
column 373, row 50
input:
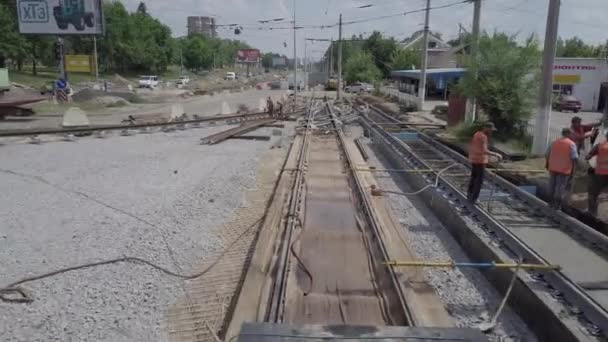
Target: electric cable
column 14, row 288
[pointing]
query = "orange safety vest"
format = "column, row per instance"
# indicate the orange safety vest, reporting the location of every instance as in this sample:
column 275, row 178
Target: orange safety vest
column 559, row 156
column 477, row 151
column 602, row 160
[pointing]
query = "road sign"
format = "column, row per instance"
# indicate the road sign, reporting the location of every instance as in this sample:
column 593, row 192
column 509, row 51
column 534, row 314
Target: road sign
column 78, row 63
column 60, row 16
column 61, row 84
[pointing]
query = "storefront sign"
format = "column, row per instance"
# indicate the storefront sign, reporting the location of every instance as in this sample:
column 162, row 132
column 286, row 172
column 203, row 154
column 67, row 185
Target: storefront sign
column 566, row 79
column 574, row 67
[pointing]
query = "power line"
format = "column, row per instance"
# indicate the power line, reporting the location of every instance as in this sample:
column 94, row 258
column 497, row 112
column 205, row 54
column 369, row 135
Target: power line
column 351, row 22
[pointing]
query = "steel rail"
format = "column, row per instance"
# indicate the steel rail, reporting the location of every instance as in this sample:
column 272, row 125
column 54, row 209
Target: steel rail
column 236, row 131
column 276, row 308
column 34, row 132
column 372, row 221
column 576, row 299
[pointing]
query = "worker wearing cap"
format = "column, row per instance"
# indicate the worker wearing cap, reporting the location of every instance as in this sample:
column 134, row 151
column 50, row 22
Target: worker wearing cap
column 270, row 106
column 479, row 157
column 599, row 178
column 561, row 160
column 581, row 132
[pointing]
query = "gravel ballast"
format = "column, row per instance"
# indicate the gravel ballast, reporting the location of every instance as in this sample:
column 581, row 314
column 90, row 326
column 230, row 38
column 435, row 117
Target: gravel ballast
column 467, row 295
column 68, row 203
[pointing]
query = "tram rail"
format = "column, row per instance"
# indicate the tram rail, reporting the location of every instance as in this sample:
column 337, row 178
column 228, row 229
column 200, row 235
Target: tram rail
column 510, row 224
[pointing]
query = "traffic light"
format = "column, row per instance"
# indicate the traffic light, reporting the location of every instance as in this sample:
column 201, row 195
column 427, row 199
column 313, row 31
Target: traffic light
column 58, row 52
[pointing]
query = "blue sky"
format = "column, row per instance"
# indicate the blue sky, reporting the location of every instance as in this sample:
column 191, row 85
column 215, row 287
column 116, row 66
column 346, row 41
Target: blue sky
column 584, row 18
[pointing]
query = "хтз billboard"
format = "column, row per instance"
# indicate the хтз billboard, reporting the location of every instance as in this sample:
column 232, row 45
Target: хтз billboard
column 61, row 17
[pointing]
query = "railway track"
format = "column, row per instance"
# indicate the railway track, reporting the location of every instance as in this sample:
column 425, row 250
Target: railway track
column 322, row 261
column 507, row 224
column 313, row 290
column 230, row 119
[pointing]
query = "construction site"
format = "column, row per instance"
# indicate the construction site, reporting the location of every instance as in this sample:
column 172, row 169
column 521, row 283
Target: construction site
column 332, row 221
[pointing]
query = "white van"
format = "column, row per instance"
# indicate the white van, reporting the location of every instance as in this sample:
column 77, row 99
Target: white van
column 148, row 81
column 230, row 76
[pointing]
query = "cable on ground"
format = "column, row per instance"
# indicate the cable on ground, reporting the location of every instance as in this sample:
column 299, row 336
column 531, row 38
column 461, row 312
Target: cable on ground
column 486, row 327
column 424, row 188
column 7, row 292
column 293, row 252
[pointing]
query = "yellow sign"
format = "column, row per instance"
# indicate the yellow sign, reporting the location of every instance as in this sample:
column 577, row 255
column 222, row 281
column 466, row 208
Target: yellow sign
column 78, row 63
column 566, row 79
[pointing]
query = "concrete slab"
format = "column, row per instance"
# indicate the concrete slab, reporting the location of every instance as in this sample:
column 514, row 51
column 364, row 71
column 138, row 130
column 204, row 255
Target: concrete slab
column 75, row 117
column 268, row 332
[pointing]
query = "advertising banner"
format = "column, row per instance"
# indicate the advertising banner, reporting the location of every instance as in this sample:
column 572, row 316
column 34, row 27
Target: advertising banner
column 248, row 55
column 60, row 17
column 78, row 63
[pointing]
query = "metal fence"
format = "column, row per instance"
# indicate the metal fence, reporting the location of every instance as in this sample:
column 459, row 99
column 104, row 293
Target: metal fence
column 402, row 98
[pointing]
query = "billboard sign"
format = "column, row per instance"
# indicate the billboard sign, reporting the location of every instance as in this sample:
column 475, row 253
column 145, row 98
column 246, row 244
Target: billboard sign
column 78, row 63
column 248, row 55
column 279, row 62
column 61, row 17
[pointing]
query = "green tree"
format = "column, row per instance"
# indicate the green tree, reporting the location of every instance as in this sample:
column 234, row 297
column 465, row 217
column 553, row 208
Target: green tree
column 361, row 68
column 381, row 50
column 141, row 8
column 267, row 60
column 349, row 49
column 504, row 89
column 13, row 45
column 198, row 54
column 576, row 47
column 405, row 59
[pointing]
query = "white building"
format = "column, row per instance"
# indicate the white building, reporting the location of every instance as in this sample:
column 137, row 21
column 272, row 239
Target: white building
column 584, row 78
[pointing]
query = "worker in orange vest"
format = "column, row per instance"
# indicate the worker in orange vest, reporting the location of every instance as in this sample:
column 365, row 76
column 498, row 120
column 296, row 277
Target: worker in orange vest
column 580, row 132
column 479, row 157
column 561, row 160
column 599, row 178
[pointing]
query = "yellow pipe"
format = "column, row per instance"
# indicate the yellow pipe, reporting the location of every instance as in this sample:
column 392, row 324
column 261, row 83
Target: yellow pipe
column 452, row 264
column 432, row 171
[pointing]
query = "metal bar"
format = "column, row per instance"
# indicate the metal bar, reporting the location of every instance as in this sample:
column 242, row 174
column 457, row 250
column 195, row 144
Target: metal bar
column 245, row 128
column 29, row 132
column 491, row 264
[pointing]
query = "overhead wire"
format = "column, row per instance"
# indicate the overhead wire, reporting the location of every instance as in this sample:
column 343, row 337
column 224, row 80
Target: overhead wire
column 344, row 23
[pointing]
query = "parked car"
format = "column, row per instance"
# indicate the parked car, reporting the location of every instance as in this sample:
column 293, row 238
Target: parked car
column 148, row 81
column 359, row 87
column 367, row 87
column 183, row 80
column 230, row 76
column 567, row 102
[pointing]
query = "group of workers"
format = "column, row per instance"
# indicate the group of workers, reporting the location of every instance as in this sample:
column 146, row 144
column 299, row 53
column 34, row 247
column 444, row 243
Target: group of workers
column 561, row 161
column 270, row 108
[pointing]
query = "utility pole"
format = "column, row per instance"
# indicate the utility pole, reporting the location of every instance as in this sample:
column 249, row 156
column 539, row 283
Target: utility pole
column 339, row 95
column 543, row 117
column 425, row 48
column 331, row 59
column 96, row 59
column 472, row 102
column 61, row 59
column 305, row 60
column 295, row 60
